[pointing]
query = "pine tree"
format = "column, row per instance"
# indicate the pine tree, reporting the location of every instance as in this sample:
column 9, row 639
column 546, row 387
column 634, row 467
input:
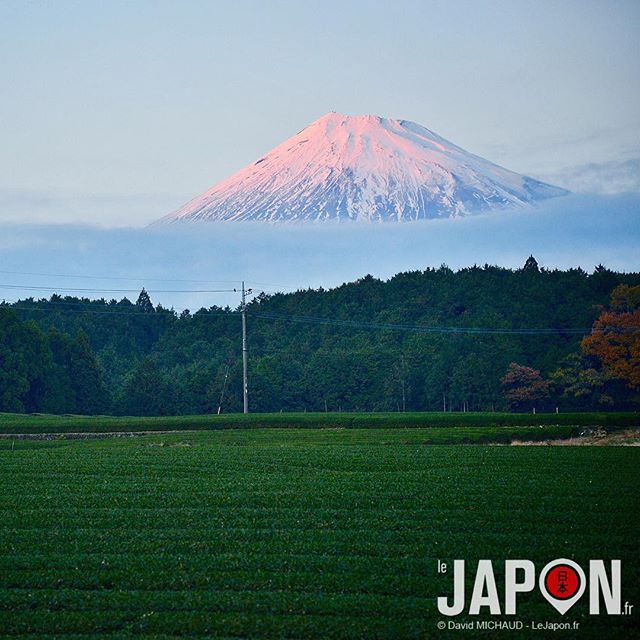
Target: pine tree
column 146, row 392
column 87, row 378
column 144, row 302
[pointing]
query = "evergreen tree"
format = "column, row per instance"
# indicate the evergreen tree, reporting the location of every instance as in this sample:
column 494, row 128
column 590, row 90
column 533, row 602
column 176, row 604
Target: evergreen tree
column 442, row 357
column 25, row 364
column 146, row 391
column 61, row 396
column 87, row 378
column 144, row 302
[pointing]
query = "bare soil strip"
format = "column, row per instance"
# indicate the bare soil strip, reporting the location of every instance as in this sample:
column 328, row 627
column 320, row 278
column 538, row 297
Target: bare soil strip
column 599, row 437
column 86, row 436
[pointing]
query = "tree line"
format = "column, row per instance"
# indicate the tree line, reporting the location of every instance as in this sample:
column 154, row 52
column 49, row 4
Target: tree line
column 477, row 339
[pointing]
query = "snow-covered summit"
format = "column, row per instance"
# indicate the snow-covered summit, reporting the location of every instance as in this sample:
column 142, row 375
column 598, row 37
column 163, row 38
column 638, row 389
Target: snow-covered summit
column 364, row 168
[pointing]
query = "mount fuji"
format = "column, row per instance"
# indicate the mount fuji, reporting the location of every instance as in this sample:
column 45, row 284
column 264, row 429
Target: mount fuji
column 364, row 168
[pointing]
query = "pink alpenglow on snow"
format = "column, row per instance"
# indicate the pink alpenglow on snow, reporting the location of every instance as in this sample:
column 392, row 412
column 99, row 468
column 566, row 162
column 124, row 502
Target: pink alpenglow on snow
column 364, row 168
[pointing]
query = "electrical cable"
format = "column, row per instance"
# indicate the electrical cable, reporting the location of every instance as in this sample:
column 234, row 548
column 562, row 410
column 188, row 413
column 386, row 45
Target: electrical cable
column 80, row 289
column 354, row 324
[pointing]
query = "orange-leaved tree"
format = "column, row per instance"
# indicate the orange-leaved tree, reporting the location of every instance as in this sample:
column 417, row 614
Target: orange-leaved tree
column 523, row 387
column 615, row 337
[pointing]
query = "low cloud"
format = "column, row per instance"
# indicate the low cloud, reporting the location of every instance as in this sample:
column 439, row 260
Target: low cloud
column 565, row 232
column 615, row 177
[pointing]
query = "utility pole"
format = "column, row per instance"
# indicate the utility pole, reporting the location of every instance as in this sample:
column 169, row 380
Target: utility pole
column 245, row 353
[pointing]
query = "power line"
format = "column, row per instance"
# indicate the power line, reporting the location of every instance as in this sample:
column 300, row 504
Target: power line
column 115, row 313
column 80, row 289
column 64, row 303
column 435, row 329
column 354, row 324
column 78, row 301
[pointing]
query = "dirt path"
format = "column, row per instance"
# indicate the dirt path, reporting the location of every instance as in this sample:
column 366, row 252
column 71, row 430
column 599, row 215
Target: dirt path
column 86, row 436
column 591, row 436
column 598, row 437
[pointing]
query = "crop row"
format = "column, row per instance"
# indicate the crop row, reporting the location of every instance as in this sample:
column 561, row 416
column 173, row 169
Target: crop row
column 43, row 423
column 298, row 534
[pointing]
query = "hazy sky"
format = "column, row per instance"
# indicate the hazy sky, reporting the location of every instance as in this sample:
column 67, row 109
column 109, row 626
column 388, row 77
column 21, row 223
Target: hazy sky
column 118, row 112
column 181, row 264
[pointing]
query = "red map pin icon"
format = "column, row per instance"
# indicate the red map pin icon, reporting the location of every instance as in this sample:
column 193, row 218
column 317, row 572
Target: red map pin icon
column 562, row 582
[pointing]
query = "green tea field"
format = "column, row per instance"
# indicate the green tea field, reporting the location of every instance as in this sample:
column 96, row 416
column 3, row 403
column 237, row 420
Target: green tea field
column 561, row 424
column 299, row 533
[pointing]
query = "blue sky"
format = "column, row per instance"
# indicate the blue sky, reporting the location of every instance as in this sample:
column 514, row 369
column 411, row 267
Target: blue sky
column 116, row 113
